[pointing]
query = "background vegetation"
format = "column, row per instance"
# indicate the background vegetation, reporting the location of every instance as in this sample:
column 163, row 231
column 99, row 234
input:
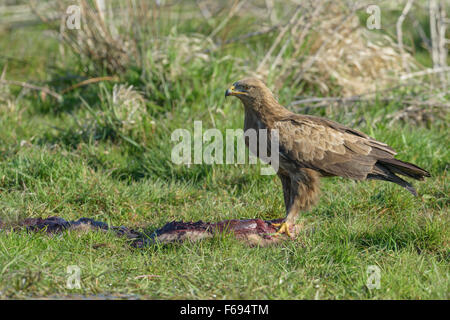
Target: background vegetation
column 85, row 122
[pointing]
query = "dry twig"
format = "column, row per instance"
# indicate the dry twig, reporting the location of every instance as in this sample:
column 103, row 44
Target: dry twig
column 33, row 87
column 399, row 24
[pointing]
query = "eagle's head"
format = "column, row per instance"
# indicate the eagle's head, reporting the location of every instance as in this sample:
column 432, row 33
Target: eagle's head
column 249, row 90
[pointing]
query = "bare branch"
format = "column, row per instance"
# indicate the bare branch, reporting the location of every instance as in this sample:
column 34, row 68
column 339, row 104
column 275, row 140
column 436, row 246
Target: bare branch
column 400, row 32
column 89, row 81
column 33, row 87
column 425, row 72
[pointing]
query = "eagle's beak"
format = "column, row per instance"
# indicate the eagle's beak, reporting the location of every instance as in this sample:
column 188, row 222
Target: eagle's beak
column 232, row 92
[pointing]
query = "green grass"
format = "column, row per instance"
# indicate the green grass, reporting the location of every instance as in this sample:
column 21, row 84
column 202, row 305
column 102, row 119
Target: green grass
column 58, row 159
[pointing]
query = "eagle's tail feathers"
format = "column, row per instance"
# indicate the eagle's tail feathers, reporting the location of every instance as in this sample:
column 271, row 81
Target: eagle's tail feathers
column 395, row 179
column 404, row 168
column 386, row 169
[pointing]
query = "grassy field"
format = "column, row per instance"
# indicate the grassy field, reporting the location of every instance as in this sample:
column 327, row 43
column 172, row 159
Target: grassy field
column 78, row 158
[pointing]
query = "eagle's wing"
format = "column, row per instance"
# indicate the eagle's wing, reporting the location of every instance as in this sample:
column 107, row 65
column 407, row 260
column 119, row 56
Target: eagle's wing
column 329, row 147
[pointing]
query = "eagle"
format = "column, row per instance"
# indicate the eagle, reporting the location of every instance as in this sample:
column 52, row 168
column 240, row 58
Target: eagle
column 313, row 147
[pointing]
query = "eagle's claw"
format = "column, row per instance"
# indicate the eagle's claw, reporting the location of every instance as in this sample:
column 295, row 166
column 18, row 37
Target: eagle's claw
column 284, row 228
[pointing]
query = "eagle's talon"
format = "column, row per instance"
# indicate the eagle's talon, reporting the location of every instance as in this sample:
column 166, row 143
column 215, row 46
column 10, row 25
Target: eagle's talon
column 284, row 228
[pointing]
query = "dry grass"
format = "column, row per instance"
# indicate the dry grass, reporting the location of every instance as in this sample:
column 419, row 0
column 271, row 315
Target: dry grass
column 98, row 38
column 322, row 45
column 114, row 36
column 332, row 50
column 128, row 106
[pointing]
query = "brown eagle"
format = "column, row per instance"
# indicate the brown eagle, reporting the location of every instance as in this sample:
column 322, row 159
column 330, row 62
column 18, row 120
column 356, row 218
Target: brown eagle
column 312, row 147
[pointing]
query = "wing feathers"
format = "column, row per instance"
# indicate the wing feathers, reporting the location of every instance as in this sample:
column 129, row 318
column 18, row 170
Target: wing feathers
column 323, row 148
column 333, row 149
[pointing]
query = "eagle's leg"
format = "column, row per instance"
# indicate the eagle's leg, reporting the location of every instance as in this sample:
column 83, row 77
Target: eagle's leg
column 286, row 183
column 300, row 193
